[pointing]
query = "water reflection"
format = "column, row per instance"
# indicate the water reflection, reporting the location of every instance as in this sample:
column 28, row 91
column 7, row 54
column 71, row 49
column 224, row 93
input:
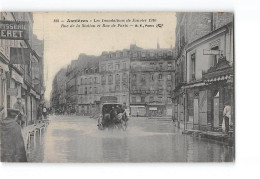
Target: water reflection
column 76, row 139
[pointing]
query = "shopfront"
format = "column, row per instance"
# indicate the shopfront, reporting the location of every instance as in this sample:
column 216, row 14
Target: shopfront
column 3, row 88
column 138, row 110
column 156, row 110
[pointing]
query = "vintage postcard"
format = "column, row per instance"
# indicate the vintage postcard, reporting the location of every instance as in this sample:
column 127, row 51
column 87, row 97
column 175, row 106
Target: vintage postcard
column 95, row 87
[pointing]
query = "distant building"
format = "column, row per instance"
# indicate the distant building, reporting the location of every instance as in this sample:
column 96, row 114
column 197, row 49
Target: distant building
column 71, row 87
column 58, row 94
column 114, row 71
column 88, row 81
column 151, row 82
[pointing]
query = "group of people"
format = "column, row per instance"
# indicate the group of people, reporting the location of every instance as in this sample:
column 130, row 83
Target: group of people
column 12, row 143
column 114, row 115
column 227, row 123
column 118, row 113
column 42, row 112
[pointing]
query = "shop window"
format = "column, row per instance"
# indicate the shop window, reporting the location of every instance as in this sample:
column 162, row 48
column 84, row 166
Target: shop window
column 160, row 77
column 193, row 66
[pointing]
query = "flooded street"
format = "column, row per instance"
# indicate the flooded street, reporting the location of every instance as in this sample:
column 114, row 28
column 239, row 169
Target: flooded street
column 77, row 139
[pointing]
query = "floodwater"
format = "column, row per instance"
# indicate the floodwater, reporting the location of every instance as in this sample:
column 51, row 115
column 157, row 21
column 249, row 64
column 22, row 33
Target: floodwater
column 77, row 139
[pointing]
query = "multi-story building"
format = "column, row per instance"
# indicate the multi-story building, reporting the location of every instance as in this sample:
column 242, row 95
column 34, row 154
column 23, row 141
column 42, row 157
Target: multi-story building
column 88, row 82
column 20, row 79
column 58, row 94
column 71, row 87
column 204, row 69
column 114, row 75
column 152, row 80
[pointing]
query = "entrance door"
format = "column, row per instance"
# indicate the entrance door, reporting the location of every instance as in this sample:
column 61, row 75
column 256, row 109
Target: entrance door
column 196, row 111
column 203, row 109
column 216, row 112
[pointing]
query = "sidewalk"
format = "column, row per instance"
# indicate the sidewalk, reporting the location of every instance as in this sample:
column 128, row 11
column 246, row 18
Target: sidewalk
column 31, row 129
column 217, row 136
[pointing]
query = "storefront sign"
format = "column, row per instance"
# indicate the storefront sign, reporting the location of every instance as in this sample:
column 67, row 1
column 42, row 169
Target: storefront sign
column 12, row 91
column 14, row 30
column 153, row 109
column 18, row 78
column 212, row 52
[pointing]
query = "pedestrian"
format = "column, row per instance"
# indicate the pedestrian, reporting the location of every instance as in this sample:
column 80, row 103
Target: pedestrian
column 113, row 114
column 226, row 118
column 44, row 112
column 20, row 106
column 39, row 112
column 12, row 143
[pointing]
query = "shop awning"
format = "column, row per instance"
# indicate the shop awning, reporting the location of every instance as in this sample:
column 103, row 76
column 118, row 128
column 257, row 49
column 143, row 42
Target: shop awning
column 220, row 78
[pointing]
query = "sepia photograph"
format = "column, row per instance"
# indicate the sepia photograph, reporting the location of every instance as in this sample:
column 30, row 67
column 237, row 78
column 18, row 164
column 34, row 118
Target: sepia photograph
column 117, row 87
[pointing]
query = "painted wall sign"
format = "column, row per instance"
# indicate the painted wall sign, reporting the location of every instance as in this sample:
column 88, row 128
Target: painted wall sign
column 212, row 52
column 14, row 30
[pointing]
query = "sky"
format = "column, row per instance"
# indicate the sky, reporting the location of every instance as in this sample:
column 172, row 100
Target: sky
column 63, row 44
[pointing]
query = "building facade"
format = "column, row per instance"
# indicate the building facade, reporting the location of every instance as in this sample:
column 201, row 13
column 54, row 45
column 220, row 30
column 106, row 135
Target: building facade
column 114, row 75
column 58, row 94
column 71, row 87
column 204, row 69
column 152, row 80
column 21, row 80
column 89, row 89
